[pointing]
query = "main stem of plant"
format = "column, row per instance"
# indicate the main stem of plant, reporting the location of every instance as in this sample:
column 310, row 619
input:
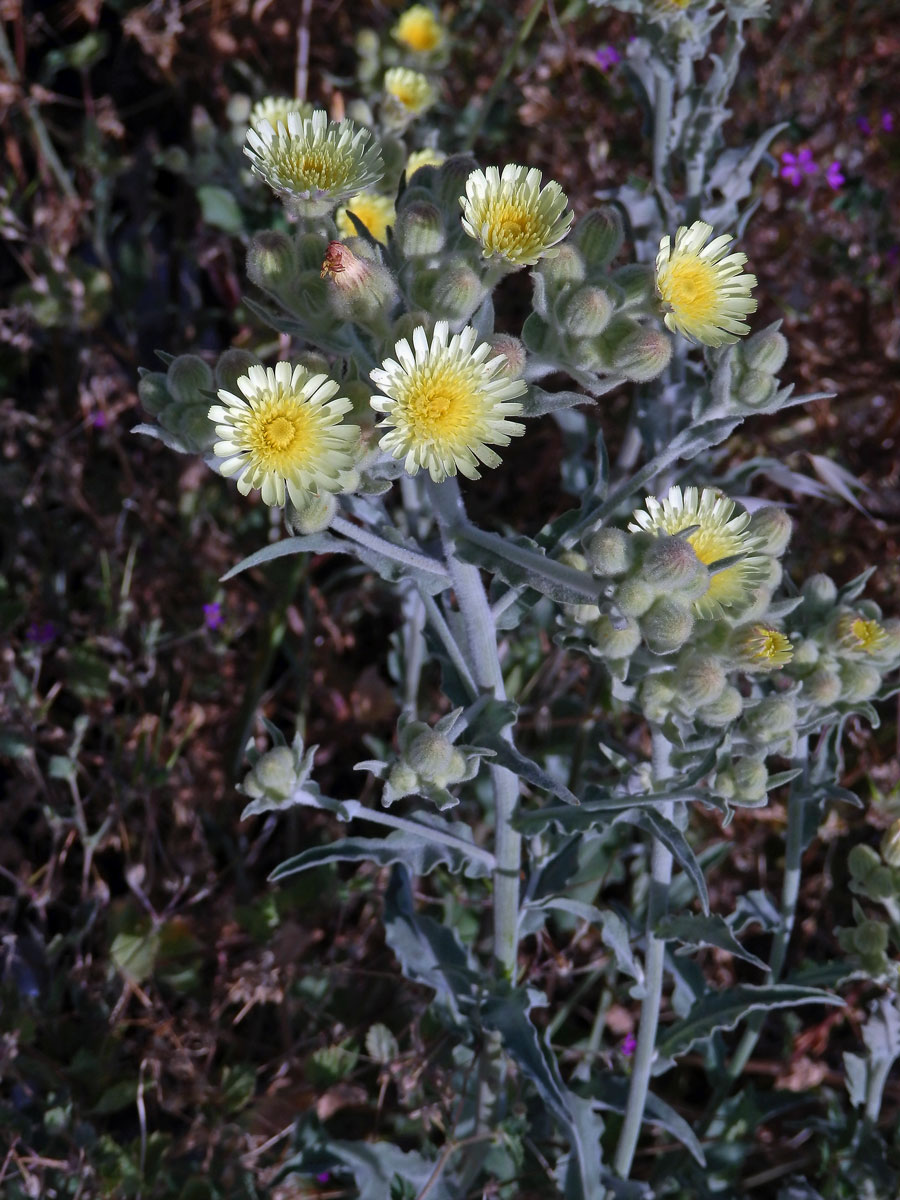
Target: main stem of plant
column 484, row 663
column 657, row 902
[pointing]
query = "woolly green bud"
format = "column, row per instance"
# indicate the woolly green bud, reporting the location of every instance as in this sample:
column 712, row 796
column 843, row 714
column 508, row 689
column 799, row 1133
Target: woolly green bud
column 582, row 614
column 754, row 388
column 231, row 365
column 699, row 679
column 358, row 289
column 765, row 351
column 723, row 711
column 773, row 527
column 186, row 376
column 311, row 247
column 657, row 697
column 450, row 184
column 314, row 515
column 402, row 779
column 537, row 335
column 668, row 624
column 751, row 777
column 671, row 564
column 859, row 682
column 634, row 596
column 432, row 757
column 823, row 686
column 644, row 356
column 609, row 551
column 512, row 350
column 586, row 312
column 862, row 861
column 880, row 884
column 419, row 230
column 451, row 292
column 871, row 937
column 806, row 654
column 773, row 717
column 890, row 845
column 271, row 261
column 404, row 325
column 599, row 235
column 819, row 593
column 567, row 267
column 638, row 285
column 615, row 638
column 275, row 775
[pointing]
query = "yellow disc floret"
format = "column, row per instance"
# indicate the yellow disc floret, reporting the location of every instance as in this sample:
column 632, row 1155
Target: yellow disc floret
column 419, row 30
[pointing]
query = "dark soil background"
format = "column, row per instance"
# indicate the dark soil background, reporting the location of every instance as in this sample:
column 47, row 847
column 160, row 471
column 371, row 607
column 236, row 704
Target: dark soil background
column 166, row 1013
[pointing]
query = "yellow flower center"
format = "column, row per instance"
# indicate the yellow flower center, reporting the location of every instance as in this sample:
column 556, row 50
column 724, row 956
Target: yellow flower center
column 770, row 646
column 710, row 546
column 312, row 168
column 419, row 30
column 511, row 229
column 281, row 434
column 688, row 286
column 439, row 405
column 869, row 635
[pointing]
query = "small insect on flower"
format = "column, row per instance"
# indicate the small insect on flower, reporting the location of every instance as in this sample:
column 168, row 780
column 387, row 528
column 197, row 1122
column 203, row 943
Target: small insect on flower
column 313, row 162
column 284, row 431
column 705, row 293
column 419, row 30
column 719, row 534
column 444, row 401
column 512, row 216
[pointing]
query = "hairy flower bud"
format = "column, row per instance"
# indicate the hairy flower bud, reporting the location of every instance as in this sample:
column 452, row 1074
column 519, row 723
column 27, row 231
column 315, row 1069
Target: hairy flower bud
column 419, row 229
column 870, row 937
column 512, row 350
column 451, row 292
column 754, row 388
column 274, row 776
column 806, row 655
column 773, row 527
column 859, row 681
column 187, row 375
column 723, row 711
column 432, row 757
column 567, row 267
column 862, row 861
column 644, row 355
column 657, row 698
column 773, row 717
column 615, row 638
column 585, row 312
column 599, row 235
column 313, row 516
column 699, row 679
column 359, row 289
column 819, row 594
column 823, row 686
column 402, row 779
column 634, row 596
column 671, row 564
column 765, row 351
column 890, row 845
column 271, row 261
column 609, row 551
column 668, row 624
column 638, row 284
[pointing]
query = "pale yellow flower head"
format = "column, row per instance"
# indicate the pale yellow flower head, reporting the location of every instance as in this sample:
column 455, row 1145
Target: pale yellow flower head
column 284, row 432
column 314, row 162
column 419, row 30
column 444, row 401
column 704, row 292
column 376, row 213
column 424, row 158
column 275, row 109
column 762, row 648
column 410, row 90
column 512, row 216
column 719, row 535
column 859, row 635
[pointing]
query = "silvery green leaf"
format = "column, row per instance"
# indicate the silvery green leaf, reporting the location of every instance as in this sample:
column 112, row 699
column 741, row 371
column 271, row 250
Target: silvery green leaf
column 381, row 1045
column 856, row 1078
column 376, row 1167
column 170, row 440
column 654, row 823
column 854, row 589
column 506, row 755
column 724, row 1010
column 483, row 319
column 520, row 562
column 537, row 402
column 414, row 850
column 780, row 609
column 695, row 931
column 754, row 908
column 840, row 481
column 313, row 543
column 599, row 808
column 799, row 1189
column 611, row 1092
column 881, row 1033
column 779, row 779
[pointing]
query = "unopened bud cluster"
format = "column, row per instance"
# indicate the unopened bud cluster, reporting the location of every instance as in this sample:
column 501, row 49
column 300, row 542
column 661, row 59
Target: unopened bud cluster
column 875, row 877
column 588, row 315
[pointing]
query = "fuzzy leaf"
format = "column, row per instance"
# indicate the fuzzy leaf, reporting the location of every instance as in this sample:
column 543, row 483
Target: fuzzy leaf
column 611, row 1091
column 419, row 855
column 520, row 562
column 695, row 931
column 673, row 839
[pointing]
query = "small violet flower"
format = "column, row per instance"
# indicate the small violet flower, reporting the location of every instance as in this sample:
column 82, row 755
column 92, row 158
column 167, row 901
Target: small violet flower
column 862, row 124
column 834, row 176
column 98, row 420
column 212, row 615
column 323, row 1177
column 887, row 122
column 606, row 57
column 795, row 166
column 41, row 632
column 629, row 1043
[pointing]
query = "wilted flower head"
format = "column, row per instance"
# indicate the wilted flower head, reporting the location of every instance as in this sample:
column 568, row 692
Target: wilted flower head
column 719, row 535
column 284, row 431
column 411, row 91
column 444, row 401
column 376, row 213
column 275, row 109
column 419, row 30
column 314, row 162
column 512, row 216
column 706, row 295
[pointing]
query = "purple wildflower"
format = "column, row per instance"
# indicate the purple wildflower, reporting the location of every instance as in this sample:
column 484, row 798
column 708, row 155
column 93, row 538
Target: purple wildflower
column 862, row 124
column 98, row 420
column 323, row 1177
column 41, row 632
column 795, row 166
column 629, row 1044
column 606, row 57
column 212, row 615
column 892, row 254
column 887, row 122
column 834, row 176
